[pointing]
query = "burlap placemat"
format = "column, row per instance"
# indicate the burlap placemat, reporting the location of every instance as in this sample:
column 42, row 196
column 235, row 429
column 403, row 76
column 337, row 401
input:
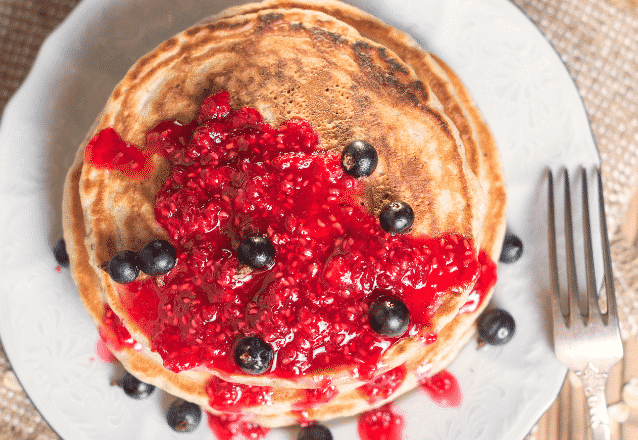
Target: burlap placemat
column 597, row 40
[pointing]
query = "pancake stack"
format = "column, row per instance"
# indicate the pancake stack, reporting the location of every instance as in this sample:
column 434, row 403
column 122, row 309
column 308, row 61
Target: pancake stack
column 309, row 78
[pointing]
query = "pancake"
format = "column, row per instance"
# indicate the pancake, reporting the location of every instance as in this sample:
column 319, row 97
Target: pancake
column 351, row 77
column 480, row 147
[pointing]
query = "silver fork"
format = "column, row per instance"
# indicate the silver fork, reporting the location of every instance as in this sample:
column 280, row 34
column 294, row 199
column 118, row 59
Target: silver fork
column 586, row 340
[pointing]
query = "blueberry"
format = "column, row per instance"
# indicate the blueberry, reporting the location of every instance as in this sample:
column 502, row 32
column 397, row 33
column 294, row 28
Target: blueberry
column 183, row 416
column 256, row 251
column 496, row 327
column 157, row 257
column 253, row 355
column 359, row 159
column 124, row 267
column 314, row 432
column 396, row 217
column 59, row 252
column 389, row 316
column 512, row 249
column 135, row 388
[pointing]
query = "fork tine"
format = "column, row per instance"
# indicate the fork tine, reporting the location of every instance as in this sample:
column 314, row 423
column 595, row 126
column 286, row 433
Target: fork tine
column 588, row 346
column 572, row 283
column 592, row 298
column 553, row 260
column 612, row 311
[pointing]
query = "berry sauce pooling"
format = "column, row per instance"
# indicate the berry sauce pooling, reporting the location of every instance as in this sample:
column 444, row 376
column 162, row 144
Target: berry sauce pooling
column 232, row 427
column 233, row 176
column 315, row 397
column 383, row 385
column 380, row 424
column 107, row 150
column 113, row 333
column 443, row 389
column 485, row 282
column 103, row 352
column 232, row 397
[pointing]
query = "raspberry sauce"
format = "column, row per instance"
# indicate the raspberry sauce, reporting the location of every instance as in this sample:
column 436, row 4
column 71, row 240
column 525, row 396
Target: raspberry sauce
column 113, row 333
column 108, row 150
column 233, row 397
column 383, row 385
column 232, row 427
column 380, row 424
column 233, row 175
column 443, row 389
column 486, row 280
column 316, row 397
column 103, row 353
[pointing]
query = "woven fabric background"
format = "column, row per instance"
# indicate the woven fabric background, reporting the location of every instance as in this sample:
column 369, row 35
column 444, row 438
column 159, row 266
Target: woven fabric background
column 597, row 40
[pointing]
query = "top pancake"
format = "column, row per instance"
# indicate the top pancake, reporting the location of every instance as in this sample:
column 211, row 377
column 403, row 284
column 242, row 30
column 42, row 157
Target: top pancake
column 284, row 63
column 480, row 147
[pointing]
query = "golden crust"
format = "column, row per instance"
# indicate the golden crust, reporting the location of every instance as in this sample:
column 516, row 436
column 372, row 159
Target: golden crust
column 172, row 81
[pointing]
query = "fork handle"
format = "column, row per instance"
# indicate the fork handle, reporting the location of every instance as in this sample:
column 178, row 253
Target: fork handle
column 594, row 384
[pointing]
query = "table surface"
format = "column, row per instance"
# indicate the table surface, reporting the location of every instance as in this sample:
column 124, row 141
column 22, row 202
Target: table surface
column 596, row 39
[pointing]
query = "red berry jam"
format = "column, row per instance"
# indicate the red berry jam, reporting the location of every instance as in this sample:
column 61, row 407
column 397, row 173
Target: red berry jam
column 486, row 280
column 316, row 397
column 380, row 424
column 103, row 352
column 233, row 397
column 232, row 427
column 233, row 175
column 383, row 385
column 429, row 338
column 443, row 389
column 108, row 150
column 113, row 333
column 302, row 417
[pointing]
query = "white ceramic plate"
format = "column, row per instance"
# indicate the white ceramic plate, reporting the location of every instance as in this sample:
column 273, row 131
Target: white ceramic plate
column 517, row 80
